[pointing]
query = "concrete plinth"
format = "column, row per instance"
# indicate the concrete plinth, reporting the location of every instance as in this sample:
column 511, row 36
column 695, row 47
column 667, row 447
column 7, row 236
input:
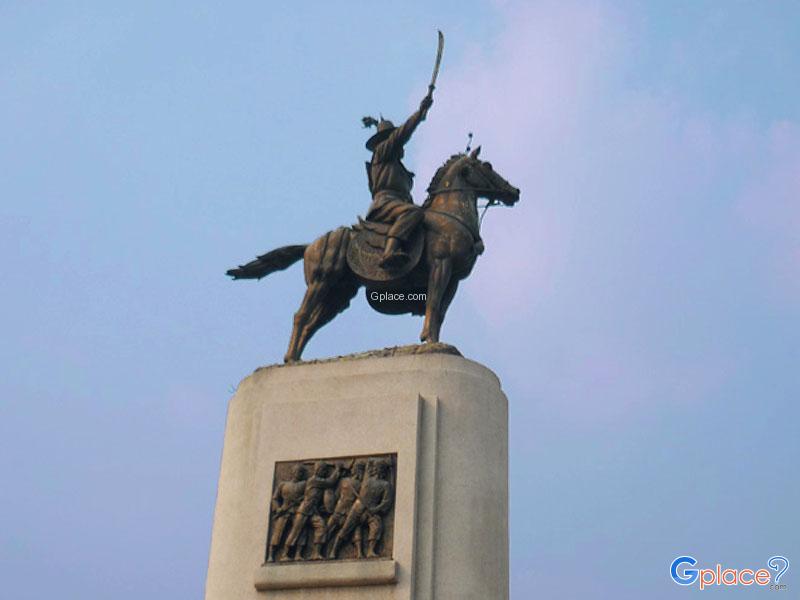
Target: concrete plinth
column 445, row 419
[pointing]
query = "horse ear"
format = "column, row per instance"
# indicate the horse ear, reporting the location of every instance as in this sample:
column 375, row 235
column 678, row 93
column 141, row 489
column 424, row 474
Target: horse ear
column 475, row 153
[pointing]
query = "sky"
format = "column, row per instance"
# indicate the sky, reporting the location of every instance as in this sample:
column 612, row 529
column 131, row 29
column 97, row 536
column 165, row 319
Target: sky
column 641, row 303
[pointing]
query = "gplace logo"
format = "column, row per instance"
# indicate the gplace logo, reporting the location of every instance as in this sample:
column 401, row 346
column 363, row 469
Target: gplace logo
column 731, row 577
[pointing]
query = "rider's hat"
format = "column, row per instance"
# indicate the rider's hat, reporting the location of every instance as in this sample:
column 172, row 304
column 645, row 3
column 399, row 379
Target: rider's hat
column 385, row 128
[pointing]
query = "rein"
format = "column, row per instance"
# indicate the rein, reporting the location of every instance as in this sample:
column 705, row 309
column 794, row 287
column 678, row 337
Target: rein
column 476, row 236
column 489, row 203
column 473, row 190
column 487, row 206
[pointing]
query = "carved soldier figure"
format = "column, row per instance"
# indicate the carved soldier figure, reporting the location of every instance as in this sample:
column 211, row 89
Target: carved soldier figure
column 348, row 489
column 308, row 511
column 287, row 496
column 390, row 182
column 372, row 501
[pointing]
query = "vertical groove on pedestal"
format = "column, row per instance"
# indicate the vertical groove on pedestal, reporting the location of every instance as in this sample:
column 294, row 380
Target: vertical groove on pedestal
column 427, row 445
column 435, row 502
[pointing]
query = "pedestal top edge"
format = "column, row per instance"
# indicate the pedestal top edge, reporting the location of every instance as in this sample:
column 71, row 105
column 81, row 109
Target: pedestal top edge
column 414, row 354
column 408, row 350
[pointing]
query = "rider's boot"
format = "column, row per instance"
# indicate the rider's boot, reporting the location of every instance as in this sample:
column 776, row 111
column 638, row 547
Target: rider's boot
column 393, row 255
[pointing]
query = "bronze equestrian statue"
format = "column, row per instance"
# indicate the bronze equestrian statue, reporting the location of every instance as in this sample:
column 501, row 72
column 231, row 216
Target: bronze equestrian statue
column 339, row 262
column 418, row 253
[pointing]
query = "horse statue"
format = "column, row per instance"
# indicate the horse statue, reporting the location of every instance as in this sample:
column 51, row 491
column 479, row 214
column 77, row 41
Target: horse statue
column 441, row 253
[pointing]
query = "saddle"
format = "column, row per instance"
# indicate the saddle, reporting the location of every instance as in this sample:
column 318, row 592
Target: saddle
column 365, row 250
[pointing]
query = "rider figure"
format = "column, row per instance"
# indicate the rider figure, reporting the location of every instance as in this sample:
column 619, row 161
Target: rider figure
column 390, row 183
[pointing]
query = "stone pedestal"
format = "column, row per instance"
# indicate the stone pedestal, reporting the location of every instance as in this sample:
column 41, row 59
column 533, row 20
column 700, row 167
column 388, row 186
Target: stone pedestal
column 439, row 421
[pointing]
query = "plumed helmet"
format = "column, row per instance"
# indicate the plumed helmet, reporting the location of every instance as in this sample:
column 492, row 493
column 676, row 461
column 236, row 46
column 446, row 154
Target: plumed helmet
column 385, row 128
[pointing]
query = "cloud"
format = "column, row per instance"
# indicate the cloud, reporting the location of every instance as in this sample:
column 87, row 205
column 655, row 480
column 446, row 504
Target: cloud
column 770, row 207
column 523, row 98
column 616, row 270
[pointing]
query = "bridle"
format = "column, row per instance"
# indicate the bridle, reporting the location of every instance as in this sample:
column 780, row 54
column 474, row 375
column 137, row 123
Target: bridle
column 478, row 191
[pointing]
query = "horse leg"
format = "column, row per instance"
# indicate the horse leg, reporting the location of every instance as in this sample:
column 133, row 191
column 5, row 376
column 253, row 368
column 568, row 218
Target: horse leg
column 438, row 281
column 447, row 298
column 301, row 317
column 329, row 283
column 332, row 299
column 314, row 295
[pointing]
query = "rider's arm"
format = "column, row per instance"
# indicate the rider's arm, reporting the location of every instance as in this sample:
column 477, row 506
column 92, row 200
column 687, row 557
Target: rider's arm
column 400, row 136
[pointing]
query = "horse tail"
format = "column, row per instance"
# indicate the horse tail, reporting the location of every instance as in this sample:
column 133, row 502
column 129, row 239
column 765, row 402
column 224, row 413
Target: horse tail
column 277, row 260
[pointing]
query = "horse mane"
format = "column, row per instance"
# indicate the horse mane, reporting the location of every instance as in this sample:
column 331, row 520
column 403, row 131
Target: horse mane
column 440, row 172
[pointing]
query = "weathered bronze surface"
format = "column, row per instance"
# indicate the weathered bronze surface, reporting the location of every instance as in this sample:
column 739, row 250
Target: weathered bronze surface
column 330, row 509
column 400, row 247
column 366, row 248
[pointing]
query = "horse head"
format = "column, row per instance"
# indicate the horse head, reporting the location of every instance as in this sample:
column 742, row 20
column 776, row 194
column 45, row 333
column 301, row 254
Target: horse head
column 467, row 172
